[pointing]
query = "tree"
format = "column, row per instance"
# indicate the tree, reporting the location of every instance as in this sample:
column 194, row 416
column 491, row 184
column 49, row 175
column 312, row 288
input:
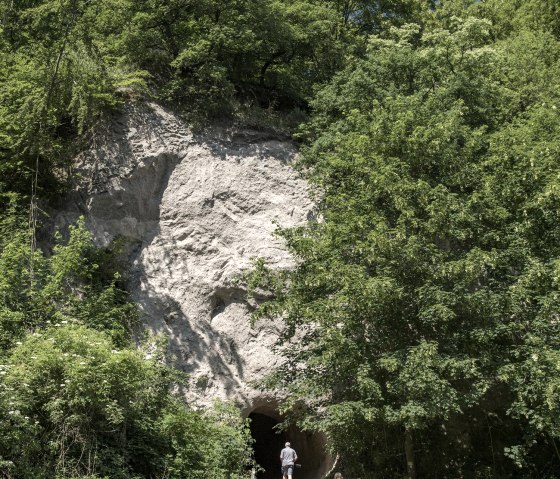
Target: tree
column 421, row 294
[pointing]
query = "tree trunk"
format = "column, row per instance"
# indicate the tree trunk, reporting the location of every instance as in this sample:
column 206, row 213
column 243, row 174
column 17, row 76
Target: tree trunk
column 409, row 453
column 267, row 64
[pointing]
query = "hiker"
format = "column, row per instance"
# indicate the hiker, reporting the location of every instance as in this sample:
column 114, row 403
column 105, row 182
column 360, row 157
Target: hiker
column 288, row 457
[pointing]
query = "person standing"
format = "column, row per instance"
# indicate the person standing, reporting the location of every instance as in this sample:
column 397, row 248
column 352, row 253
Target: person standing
column 288, row 457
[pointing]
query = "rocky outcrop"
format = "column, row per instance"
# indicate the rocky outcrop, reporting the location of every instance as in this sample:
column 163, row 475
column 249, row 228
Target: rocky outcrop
column 197, row 208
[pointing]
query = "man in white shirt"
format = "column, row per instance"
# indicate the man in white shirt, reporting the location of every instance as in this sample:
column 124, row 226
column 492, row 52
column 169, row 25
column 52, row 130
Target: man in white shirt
column 288, row 457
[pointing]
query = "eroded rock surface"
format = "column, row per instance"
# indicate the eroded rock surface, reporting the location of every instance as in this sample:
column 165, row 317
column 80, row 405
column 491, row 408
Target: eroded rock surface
column 197, row 208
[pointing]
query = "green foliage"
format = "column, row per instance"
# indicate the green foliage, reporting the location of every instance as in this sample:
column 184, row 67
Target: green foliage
column 37, row 291
column 75, row 406
column 55, row 83
column 214, row 446
column 425, row 299
column 205, row 54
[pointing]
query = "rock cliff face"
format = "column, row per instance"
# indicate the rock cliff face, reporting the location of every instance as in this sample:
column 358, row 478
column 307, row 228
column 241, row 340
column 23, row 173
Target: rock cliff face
column 197, row 208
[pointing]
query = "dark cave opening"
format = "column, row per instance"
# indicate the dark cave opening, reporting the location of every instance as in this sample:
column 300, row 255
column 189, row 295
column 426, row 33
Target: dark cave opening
column 310, row 448
column 268, row 444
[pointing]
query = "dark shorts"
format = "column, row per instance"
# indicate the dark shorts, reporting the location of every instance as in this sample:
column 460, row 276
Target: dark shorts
column 288, row 470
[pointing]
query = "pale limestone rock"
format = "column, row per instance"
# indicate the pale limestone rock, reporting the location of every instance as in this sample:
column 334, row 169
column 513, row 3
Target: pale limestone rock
column 198, row 208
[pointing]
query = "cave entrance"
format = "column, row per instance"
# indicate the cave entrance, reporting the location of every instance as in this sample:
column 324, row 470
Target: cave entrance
column 268, row 444
column 314, row 460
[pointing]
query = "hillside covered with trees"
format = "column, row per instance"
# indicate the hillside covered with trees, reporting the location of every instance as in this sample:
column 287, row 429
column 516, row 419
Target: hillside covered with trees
column 422, row 317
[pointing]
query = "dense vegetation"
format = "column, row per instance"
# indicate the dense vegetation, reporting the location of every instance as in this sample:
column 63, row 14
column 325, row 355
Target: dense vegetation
column 422, row 319
column 423, row 333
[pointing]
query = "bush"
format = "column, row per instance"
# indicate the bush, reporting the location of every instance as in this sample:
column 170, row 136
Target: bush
column 73, row 406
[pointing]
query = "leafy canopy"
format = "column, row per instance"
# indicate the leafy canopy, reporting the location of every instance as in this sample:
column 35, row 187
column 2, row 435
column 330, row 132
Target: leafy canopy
column 422, row 314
